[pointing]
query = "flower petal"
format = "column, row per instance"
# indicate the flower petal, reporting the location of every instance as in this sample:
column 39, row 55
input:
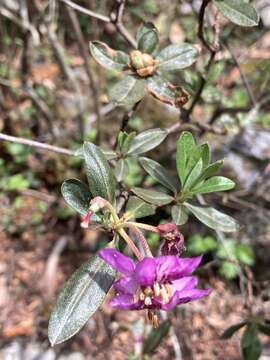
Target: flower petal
column 193, row 294
column 118, row 261
column 172, row 267
column 126, row 285
column 185, row 283
column 145, row 272
column 167, row 268
column 126, row 302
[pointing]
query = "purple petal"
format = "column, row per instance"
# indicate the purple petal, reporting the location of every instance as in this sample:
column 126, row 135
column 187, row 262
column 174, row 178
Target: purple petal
column 118, row 261
column 126, row 285
column 125, row 302
column 168, row 268
column 185, row 283
column 193, row 294
column 145, row 272
column 188, row 265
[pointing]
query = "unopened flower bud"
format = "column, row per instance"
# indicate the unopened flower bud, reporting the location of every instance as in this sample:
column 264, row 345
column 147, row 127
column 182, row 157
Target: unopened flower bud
column 86, row 219
column 97, row 204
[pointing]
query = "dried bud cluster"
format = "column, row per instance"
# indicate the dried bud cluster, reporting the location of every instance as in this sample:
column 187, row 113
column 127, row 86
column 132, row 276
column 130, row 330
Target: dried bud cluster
column 173, row 239
column 142, row 63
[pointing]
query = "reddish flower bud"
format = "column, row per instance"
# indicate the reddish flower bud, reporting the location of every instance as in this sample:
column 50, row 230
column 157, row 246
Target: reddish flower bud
column 173, row 239
column 86, row 219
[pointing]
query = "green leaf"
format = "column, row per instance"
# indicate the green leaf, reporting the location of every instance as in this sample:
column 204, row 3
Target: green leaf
column 238, row 11
column 81, row 296
column 245, row 254
column 210, row 170
column 128, row 91
column 146, row 141
column 166, row 92
column 99, row 174
column 228, row 333
column 185, row 144
column 121, row 169
column 77, row 195
column 159, row 173
column 213, row 218
column 109, row 154
column 147, row 38
column 179, row 215
column 193, row 175
column 215, row 183
column 127, row 142
column 205, row 155
column 264, row 328
column 176, row 57
column 155, row 337
column 229, row 270
column 138, row 208
column 107, row 57
column 153, row 197
column 250, row 343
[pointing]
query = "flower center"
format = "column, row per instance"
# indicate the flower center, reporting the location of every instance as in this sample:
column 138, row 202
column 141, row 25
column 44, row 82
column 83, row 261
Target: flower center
column 142, row 63
column 163, row 292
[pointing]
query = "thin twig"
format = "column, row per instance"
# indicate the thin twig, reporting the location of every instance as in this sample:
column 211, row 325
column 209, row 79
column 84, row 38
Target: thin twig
column 85, row 55
column 36, row 144
column 86, row 11
column 210, row 47
column 243, row 76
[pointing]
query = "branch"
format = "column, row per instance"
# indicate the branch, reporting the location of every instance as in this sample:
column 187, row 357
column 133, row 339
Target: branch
column 36, row 144
column 86, row 11
column 211, row 48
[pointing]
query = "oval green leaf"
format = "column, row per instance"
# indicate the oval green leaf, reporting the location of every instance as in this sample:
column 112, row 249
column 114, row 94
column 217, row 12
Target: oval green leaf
column 238, row 11
column 176, row 57
column 153, row 197
column 179, row 214
column 81, row 296
column 99, row 174
column 185, row 145
column 159, row 173
column 77, row 195
column 128, row 91
column 147, row 38
column 166, row 92
column 121, row 169
column 146, row 141
column 107, row 57
column 213, row 218
column 137, row 208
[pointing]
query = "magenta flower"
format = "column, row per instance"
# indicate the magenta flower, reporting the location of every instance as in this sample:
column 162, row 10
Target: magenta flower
column 153, row 283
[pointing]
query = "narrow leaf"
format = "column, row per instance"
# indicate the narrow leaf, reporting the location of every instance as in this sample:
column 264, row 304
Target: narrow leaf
column 107, row 57
column 153, row 197
column 213, row 218
column 215, row 183
column 128, row 91
column 193, row 175
column 77, row 195
column 146, row 141
column 210, row 170
column 179, row 214
column 81, row 296
column 250, row 343
column 121, row 169
column 264, row 328
column 176, row 57
column 147, row 38
column 138, row 208
column 99, row 174
column 155, row 337
column 205, row 155
column 166, row 92
column 238, row 11
column 159, row 173
column 185, row 144
column 228, row 333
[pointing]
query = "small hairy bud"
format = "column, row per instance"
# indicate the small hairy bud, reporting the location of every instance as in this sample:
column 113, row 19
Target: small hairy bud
column 142, row 63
